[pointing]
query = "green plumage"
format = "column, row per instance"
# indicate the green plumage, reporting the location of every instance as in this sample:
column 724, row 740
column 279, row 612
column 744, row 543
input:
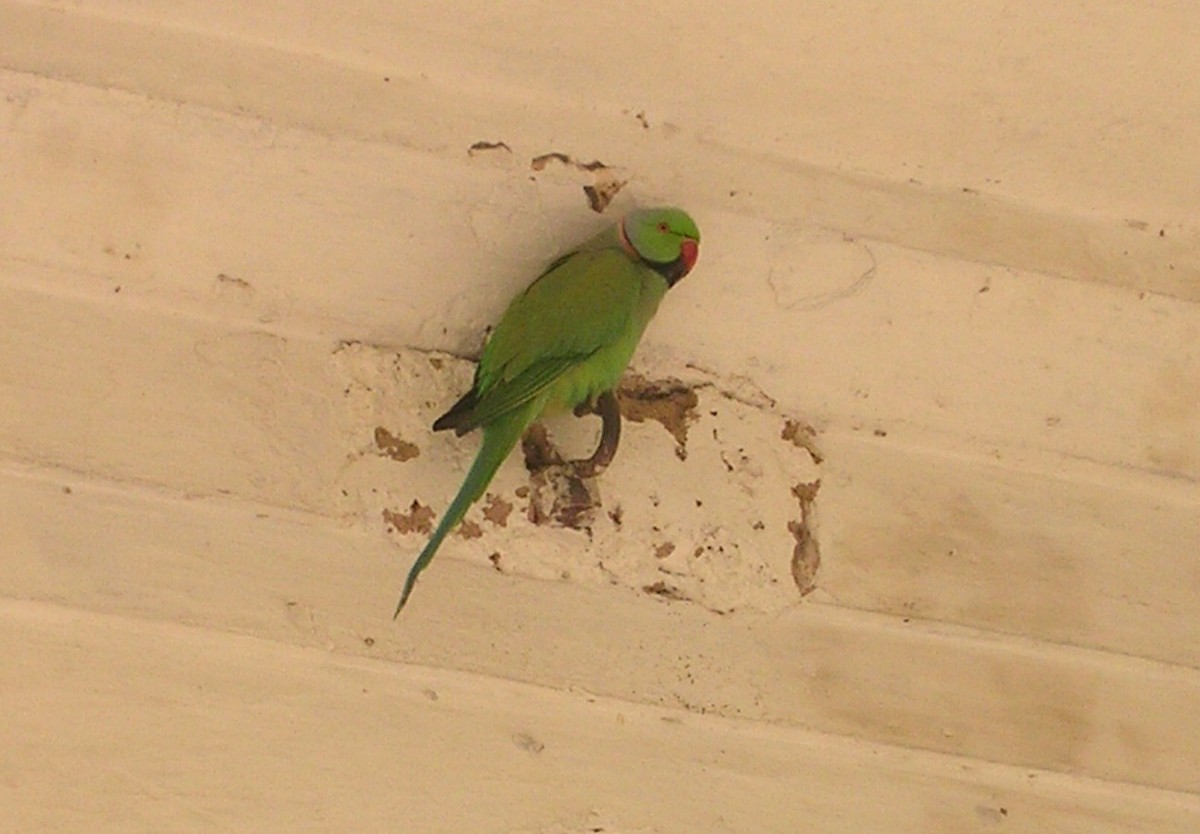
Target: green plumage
column 564, row 341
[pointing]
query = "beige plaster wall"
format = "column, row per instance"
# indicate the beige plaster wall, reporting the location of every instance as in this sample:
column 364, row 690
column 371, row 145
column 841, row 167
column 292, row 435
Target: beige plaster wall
column 948, row 289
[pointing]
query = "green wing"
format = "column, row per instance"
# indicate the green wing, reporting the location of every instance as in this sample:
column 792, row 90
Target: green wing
column 583, row 302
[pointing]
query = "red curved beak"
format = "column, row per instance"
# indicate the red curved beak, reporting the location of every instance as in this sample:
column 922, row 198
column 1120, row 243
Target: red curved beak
column 689, row 251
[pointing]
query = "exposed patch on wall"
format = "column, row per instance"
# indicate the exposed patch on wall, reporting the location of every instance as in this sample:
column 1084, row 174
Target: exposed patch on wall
column 556, row 494
column 418, row 519
column 497, row 510
column 393, row 446
column 806, row 556
column 718, row 510
column 802, row 436
column 666, row 591
column 605, row 184
column 484, row 146
column 670, row 403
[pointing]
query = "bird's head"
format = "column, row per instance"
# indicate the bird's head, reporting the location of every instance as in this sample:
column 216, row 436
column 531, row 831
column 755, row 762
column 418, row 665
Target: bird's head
column 666, row 239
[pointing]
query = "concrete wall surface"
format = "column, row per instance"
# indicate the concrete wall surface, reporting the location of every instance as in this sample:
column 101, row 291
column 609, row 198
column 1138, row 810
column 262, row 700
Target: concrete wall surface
column 904, row 530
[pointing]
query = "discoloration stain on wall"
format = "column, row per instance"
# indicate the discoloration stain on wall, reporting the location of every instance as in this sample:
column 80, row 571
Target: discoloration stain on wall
column 418, row 519
column 806, row 555
column 669, row 402
column 802, row 436
column 497, row 510
column 393, row 446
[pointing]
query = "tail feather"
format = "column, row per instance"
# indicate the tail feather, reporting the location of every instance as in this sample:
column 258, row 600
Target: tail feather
column 458, row 414
column 499, row 438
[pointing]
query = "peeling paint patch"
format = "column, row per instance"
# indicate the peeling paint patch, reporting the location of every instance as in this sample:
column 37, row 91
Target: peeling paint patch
column 670, row 402
column 802, row 436
column 605, row 181
column 729, row 510
column 539, row 163
column 539, row 452
column 556, row 494
column 481, row 146
column 418, row 519
column 497, row 510
column 394, row 447
column 806, row 555
column 662, row 589
column 562, row 498
column 602, row 193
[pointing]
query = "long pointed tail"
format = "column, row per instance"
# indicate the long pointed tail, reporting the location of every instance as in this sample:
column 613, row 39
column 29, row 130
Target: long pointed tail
column 498, row 440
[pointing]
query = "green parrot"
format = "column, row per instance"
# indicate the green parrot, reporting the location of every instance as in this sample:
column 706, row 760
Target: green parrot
column 562, row 345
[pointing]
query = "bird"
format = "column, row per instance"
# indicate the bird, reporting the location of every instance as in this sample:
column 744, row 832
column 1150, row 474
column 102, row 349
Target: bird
column 562, row 345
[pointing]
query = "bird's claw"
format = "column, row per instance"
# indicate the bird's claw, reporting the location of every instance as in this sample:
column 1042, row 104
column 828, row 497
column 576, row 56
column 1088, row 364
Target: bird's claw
column 609, row 409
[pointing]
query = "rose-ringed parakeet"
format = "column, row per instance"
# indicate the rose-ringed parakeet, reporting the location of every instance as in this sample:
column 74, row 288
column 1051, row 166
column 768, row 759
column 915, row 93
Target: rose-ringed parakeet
column 563, row 344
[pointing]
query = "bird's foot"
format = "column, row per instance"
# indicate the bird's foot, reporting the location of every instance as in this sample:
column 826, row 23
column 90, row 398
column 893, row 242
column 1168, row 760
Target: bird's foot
column 609, row 409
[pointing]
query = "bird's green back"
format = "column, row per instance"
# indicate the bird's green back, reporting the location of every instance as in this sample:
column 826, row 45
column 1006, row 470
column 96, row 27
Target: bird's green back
column 597, row 297
column 563, row 341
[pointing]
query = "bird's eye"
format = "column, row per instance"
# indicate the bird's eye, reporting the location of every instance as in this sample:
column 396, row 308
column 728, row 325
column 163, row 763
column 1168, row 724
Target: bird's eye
column 663, row 227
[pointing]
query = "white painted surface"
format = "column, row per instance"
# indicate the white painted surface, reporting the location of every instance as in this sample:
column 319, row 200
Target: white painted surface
column 236, row 239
